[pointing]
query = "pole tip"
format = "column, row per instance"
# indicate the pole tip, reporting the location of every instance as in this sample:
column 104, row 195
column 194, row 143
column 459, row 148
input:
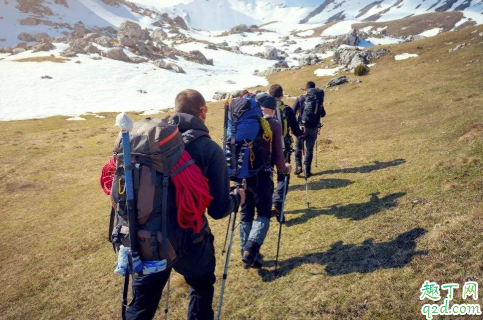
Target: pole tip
column 124, row 122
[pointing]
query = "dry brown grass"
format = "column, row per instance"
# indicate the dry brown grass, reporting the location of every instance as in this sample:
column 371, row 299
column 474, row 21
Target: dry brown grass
column 385, row 216
column 44, row 59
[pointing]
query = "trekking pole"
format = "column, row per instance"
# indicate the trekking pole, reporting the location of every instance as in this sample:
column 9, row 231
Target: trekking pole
column 227, row 259
column 135, row 264
column 306, row 180
column 285, row 183
column 167, row 300
column 226, row 235
column 225, row 129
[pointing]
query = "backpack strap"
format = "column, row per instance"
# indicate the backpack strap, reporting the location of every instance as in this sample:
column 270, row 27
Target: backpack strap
column 164, row 213
column 192, row 135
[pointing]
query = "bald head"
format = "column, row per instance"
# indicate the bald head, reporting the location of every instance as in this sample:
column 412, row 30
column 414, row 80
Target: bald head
column 189, row 101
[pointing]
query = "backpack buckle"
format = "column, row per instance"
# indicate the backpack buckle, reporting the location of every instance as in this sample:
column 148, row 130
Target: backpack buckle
column 165, row 180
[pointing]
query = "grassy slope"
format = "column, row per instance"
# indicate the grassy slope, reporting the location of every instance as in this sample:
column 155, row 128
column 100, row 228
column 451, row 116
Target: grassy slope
column 396, row 201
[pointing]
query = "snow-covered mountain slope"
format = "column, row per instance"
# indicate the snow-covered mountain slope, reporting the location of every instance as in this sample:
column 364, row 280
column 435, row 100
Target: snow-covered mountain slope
column 54, row 17
column 224, row 14
column 384, row 10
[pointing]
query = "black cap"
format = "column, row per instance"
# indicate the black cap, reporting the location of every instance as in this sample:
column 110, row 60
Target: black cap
column 266, row 101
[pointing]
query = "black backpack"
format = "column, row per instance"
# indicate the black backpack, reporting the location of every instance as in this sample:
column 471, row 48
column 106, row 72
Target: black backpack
column 313, row 107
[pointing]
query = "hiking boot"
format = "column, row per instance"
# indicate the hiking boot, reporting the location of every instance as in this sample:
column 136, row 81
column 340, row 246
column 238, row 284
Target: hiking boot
column 248, row 258
column 308, row 172
column 258, row 261
column 276, row 213
column 298, row 170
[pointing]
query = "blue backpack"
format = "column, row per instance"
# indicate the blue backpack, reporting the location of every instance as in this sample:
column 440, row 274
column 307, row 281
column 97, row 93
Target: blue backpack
column 247, row 150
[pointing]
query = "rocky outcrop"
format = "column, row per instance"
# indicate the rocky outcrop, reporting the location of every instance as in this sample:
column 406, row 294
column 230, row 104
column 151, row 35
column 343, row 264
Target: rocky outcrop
column 91, row 36
column 309, row 60
column 198, row 57
column 129, row 34
column 271, row 53
column 168, row 66
column 79, row 30
column 41, row 36
column 104, row 41
column 337, row 81
column 90, row 48
column 180, row 23
column 117, row 54
column 27, row 37
column 228, row 95
column 351, row 58
column 43, row 46
column 159, row 35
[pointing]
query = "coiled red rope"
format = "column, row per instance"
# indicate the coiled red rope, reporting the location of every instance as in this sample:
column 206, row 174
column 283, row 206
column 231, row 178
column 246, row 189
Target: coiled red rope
column 107, row 175
column 192, row 194
column 192, row 191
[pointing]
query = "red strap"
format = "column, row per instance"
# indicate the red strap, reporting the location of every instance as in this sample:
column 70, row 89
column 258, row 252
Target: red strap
column 171, row 136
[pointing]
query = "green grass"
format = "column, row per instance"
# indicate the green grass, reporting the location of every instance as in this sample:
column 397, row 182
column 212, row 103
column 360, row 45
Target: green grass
column 396, row 200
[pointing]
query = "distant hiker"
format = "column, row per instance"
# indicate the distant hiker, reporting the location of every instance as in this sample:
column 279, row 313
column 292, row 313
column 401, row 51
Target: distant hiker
column 193, row 257
column 260, row 188
column 286, row 116
column 310, row 110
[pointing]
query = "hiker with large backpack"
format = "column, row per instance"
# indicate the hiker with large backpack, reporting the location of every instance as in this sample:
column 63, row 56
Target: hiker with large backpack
column 254, row 145
column 310, row 110
column 286, row 116
column 178, row 173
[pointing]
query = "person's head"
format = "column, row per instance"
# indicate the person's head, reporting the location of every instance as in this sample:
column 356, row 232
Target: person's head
column 268, row 103
column 276, row 91
column 191, row 102
column 310, row 85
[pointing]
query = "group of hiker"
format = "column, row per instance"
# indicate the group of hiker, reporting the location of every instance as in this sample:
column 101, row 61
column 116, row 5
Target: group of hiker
column 166, row 173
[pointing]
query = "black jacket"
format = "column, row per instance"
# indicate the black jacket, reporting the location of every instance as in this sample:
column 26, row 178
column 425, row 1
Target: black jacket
column 209, row 157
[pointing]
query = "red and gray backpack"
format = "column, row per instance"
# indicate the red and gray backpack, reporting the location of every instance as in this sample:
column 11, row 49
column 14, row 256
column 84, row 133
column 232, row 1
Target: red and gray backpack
column 170, row 192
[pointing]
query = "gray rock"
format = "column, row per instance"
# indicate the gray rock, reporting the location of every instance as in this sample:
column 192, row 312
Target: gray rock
column 21, row 45
column 129, row 34
column 68, row 53
column 356, row 61
column 18, row 50
column 159, row 35
column 90, row 48
column 337, row 81
column 79, row 30
column 281, row 64
column 139, row 60
column 458, row 47
column 117, row 54
column 345, row 57
column 480, row 34
column 309, row 60
column 91, row 36
column 291, row 42
column 41, row 36
column 176, row 68
column 197, row 56
column 24, row 36
column 414, row 38
column 103, row 41
column 239, row 29
column 180, row 22
column 352, row 39
column 43, row 46
column 271, row 53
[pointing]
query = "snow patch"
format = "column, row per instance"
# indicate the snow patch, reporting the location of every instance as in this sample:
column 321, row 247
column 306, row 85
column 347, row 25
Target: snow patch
column 431, row 33
column 76, row 119
column 405, row 56
column 338, row 29
column 327, row 72
column 307, row 33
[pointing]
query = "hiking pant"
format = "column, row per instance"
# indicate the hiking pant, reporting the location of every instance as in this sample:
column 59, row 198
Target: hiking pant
column 258, row 196
column 309, row 139
column 147, row 289
column 278, row 194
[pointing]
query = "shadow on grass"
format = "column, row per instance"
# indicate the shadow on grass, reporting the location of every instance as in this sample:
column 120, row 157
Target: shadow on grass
column 343, row 258
column 367, row 168
column 323, row 184
column 352, row 211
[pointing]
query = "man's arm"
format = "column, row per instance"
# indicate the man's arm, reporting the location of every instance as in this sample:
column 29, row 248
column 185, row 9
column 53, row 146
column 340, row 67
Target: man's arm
column 292, row 121
column 277, row 147
column 223, row 202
